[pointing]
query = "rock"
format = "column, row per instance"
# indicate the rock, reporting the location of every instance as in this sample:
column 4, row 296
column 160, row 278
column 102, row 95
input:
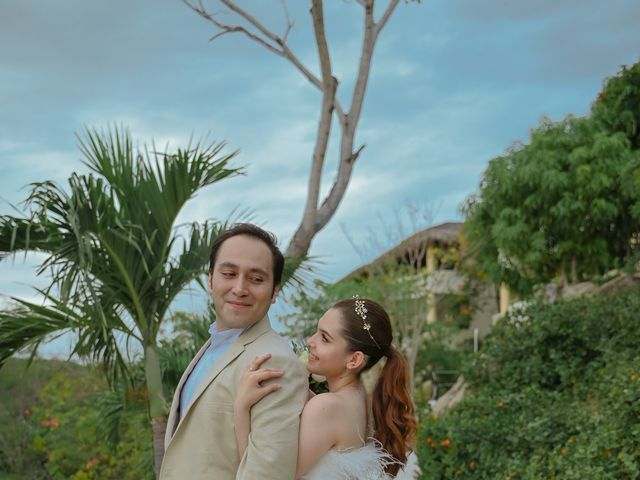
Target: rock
column 550, row 293
column 579, row 290
column 618, row 284
column 455, row 394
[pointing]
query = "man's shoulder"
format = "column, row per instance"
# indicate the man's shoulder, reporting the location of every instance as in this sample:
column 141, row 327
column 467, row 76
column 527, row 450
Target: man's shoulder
column 272, row 339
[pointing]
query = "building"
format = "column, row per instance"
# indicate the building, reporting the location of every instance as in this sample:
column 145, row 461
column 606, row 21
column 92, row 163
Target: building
column 437, row 263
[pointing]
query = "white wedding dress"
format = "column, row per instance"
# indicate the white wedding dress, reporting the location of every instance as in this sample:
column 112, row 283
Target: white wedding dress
column 365, row 463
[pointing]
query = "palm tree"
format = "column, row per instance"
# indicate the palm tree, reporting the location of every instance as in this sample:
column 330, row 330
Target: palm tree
column 115, row 255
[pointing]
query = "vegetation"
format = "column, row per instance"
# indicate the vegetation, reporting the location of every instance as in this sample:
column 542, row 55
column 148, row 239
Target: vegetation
column 49, row 414
column 116, row 256
column 62, row 419
column 555, row 394
column 573, row 192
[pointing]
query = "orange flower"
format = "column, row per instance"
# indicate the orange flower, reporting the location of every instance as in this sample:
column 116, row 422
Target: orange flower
column 429, row 441
column 564, row 452
column 52, row 423
column 446, row 442
column 26, row 412
column 92, row 463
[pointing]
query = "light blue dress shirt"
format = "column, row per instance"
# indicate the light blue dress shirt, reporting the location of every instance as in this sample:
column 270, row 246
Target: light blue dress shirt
column 220, row 342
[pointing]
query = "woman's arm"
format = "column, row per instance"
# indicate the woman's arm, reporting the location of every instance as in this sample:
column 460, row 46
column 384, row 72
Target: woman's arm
column 249, row 392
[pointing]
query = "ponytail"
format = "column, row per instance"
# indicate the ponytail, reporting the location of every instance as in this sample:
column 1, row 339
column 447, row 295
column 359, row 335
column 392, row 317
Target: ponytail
column 393, row 412
column 366, row 327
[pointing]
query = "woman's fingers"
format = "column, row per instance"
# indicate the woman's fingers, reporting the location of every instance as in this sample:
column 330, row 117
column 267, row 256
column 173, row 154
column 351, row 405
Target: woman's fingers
column 266, row 390
column 265, row 374
column 257, row 361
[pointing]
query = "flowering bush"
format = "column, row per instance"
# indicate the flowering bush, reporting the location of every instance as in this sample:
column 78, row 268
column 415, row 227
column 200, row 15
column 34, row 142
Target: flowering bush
column 554, row 397
column 56, row 436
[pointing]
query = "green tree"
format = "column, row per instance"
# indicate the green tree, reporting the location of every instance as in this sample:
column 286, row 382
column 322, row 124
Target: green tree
column 558, row 205
column 617, row 108
column 115, row 255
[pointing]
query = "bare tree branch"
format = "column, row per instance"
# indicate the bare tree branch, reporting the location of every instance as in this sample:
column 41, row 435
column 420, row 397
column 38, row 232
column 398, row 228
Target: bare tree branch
column 287, row 19
column 315, row 217
column 282, row 49
column 200, row 10
column 253, row 21
column 329, row 85
column 386, row 15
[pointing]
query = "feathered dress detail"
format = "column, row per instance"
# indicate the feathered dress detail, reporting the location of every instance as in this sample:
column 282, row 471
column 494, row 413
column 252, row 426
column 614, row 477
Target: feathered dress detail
column 364, row 463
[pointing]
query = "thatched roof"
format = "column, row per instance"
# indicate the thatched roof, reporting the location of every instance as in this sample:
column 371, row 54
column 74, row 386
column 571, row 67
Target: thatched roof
column 445, row 234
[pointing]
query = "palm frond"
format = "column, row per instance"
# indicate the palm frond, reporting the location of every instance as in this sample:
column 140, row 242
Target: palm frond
column 28, row 324
column 298, row 271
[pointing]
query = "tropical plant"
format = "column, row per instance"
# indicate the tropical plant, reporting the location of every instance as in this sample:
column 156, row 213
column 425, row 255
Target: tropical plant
column 116, row 257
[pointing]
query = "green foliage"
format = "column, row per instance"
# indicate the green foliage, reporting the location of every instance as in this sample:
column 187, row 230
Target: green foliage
column 567, row 202
column 555, row 394
column 18, row 393
column 52, row 411
column 115, row 254
column 190, row 332
column 617, row 107
column 309, row 307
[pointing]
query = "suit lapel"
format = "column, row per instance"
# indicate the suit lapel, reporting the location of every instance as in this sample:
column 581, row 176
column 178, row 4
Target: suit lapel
column 247, row 337
column 227, row 357
column 175, row 404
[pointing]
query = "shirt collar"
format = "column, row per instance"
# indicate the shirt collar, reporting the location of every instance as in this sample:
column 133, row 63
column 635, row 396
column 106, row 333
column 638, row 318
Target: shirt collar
column 218, row 338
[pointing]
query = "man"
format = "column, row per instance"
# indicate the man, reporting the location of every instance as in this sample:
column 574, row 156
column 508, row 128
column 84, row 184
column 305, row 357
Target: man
column 245, row 272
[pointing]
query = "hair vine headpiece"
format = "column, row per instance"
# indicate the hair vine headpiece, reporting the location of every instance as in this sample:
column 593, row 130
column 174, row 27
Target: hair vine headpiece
column 361, row 311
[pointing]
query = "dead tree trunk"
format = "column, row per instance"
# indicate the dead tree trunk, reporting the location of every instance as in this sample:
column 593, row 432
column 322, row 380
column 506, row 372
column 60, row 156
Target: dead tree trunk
column 316, row 213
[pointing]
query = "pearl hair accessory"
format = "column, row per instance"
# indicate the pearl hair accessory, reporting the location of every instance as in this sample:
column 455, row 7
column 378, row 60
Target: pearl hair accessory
column 361, row 311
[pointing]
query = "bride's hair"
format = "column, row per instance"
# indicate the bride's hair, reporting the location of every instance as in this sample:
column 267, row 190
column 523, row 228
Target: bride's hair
column 392, row 406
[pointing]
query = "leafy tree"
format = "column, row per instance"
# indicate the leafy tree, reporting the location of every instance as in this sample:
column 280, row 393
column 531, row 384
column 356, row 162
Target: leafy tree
column 49, row 430
column 617, row 108
column 560, row 204
column 116, row 257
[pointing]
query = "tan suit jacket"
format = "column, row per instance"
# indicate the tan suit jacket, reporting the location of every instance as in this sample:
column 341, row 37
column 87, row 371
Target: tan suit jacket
column 200, row 443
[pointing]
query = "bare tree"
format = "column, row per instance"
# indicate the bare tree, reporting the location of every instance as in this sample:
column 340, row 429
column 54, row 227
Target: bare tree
column 316, row 213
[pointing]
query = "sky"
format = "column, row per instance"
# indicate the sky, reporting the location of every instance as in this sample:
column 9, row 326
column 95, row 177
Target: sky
column 454, row 83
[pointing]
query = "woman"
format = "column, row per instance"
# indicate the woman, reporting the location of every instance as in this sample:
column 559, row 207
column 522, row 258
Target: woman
column 351, row 338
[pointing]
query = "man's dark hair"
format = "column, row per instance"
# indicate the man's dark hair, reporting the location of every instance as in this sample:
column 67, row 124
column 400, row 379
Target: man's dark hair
column 251, row 230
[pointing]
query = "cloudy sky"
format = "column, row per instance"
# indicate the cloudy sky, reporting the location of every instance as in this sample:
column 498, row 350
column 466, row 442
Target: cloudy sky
column 453, row 84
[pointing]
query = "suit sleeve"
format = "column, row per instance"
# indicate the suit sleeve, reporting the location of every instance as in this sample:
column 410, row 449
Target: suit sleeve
column 272, row 450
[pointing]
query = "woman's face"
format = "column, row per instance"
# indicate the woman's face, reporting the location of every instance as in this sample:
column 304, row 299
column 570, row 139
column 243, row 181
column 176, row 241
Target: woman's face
column 328, row 353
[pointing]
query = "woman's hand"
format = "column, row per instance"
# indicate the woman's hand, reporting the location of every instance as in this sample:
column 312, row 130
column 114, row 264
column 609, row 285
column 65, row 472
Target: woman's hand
column 251, row 390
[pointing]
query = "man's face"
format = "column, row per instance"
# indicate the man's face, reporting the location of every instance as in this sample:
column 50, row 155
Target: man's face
column 241, row 283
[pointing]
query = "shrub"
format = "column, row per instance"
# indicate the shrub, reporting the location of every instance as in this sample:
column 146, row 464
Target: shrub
column 555, row 394
column 57, row 438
